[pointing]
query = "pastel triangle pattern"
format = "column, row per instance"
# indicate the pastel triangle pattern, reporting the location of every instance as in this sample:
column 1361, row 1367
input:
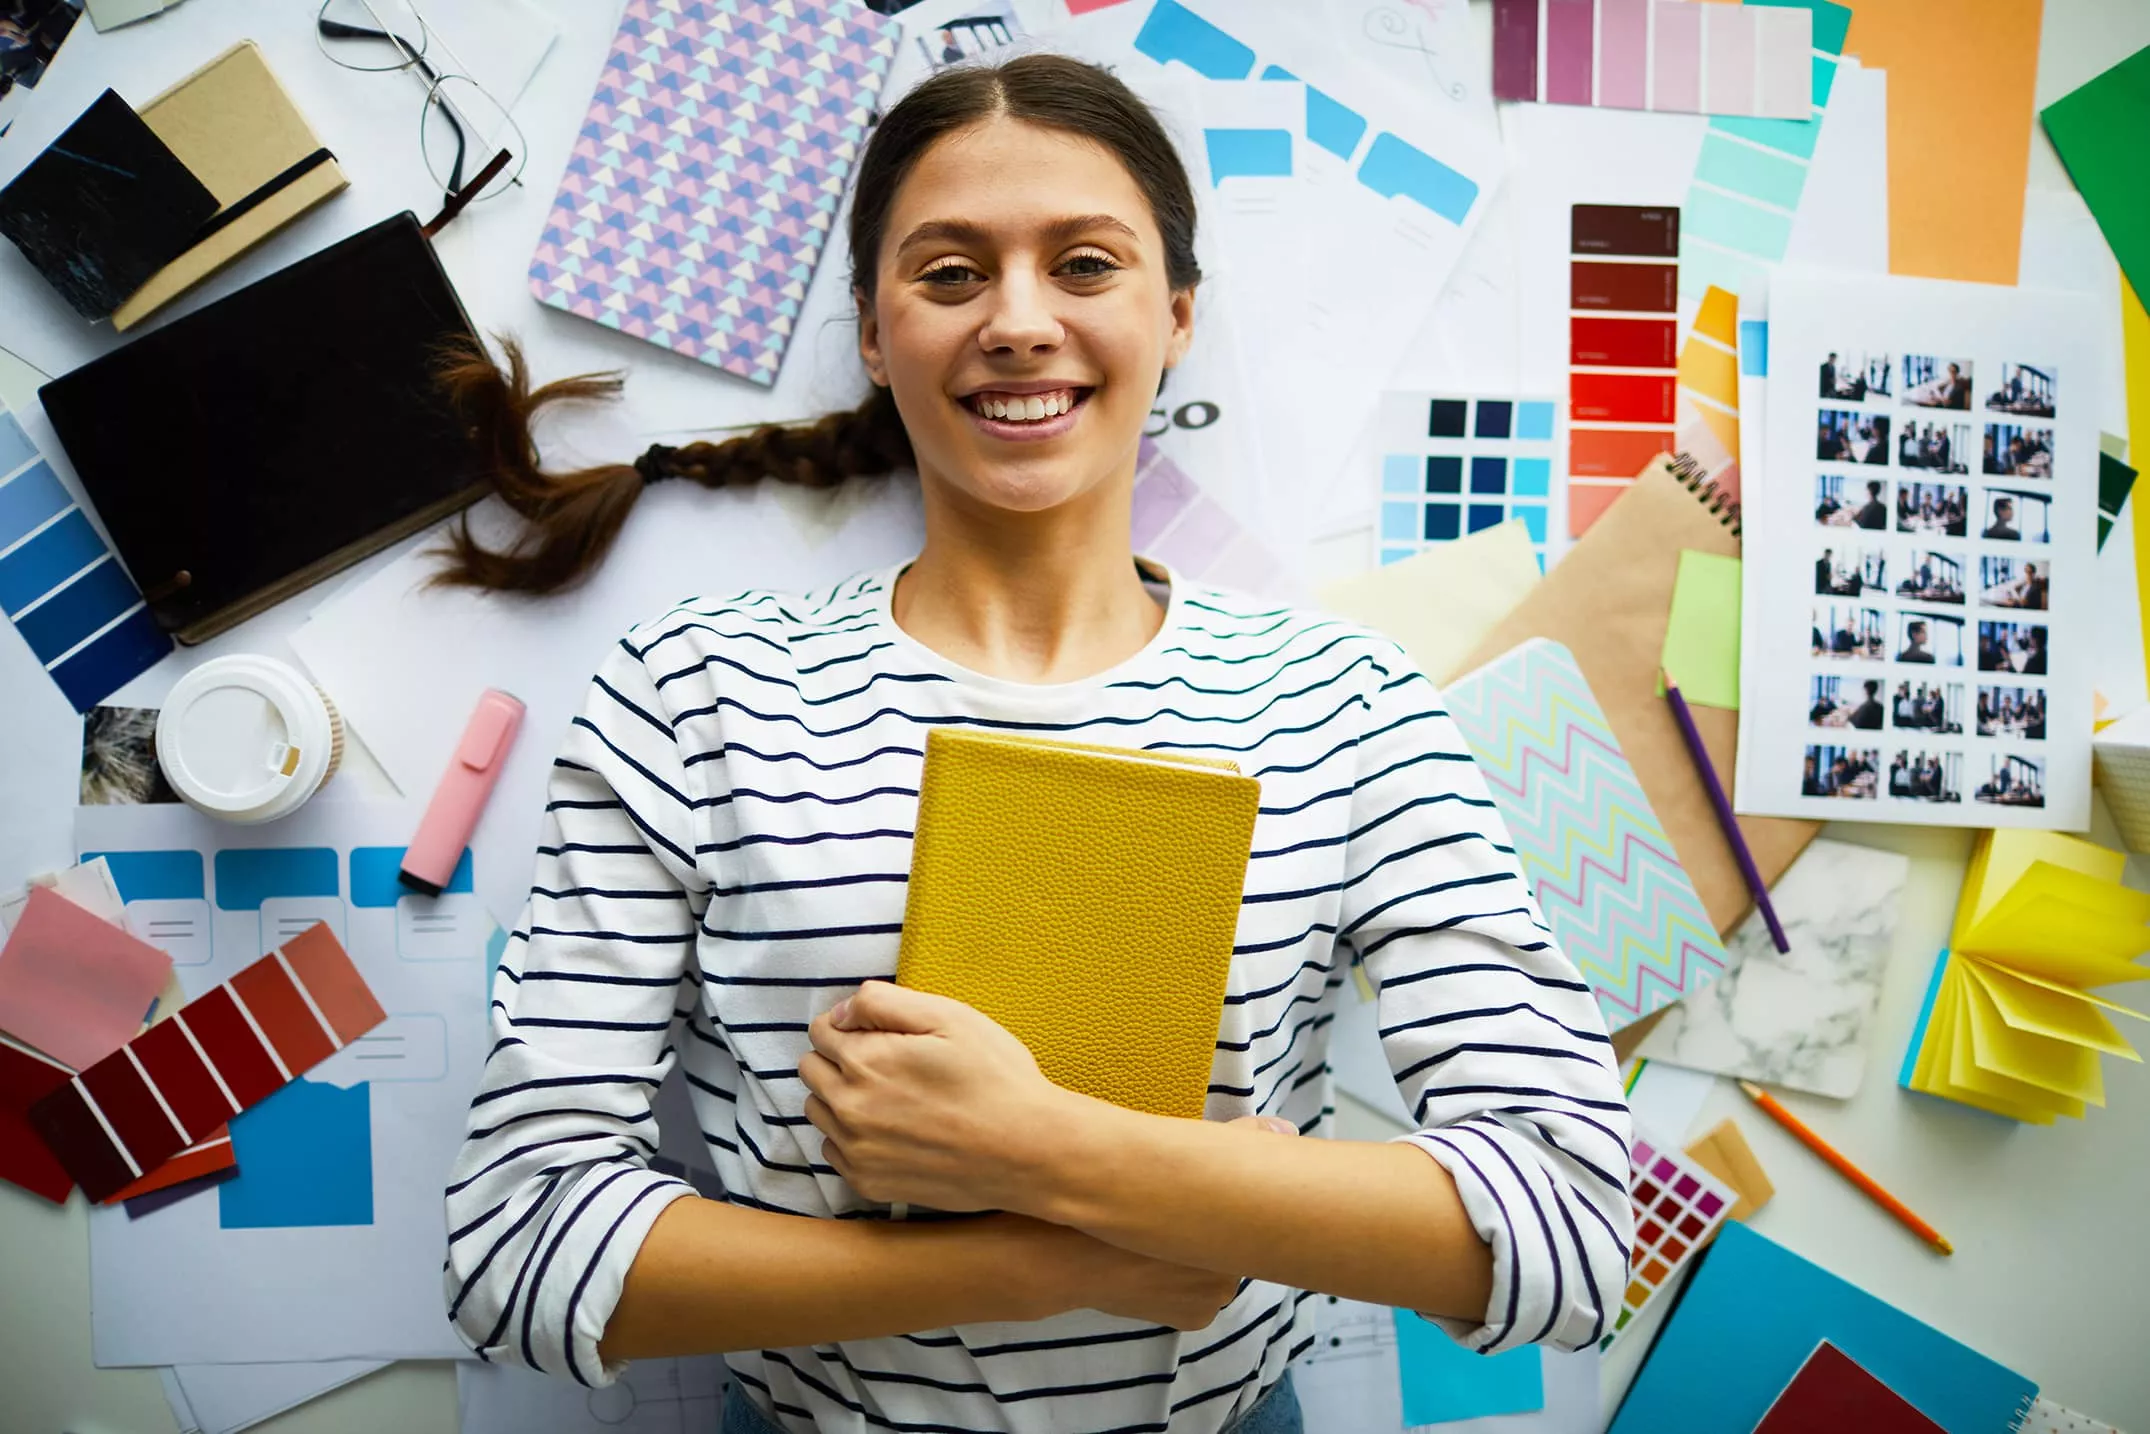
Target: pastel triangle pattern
column 703, row 183
column 1606, row 877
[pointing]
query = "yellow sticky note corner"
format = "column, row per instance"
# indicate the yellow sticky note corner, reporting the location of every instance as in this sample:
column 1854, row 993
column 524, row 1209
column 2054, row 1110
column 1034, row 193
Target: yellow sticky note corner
column 1701, row 651
column 2038, row 1009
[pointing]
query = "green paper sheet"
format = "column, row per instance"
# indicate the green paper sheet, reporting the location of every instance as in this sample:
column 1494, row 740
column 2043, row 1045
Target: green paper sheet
column 2115, row 479
column 2102, row 131
column 1702, row 637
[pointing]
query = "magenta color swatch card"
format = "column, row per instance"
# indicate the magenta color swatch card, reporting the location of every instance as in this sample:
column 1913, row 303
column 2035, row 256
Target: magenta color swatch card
column 700, row 191
column 74, row 985
column 1679, row 55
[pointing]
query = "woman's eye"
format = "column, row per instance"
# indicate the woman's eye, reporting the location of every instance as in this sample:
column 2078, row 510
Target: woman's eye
column 949, row 275
column 1089, row 266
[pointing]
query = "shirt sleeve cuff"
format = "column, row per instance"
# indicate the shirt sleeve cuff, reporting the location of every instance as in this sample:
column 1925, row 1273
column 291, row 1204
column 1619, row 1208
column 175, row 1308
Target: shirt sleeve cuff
column 1473, row 1173
column 590, row 1267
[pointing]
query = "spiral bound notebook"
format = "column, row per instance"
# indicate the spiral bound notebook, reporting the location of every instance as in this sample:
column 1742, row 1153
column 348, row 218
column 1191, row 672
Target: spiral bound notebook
column 700, row 190
column 1608, row 602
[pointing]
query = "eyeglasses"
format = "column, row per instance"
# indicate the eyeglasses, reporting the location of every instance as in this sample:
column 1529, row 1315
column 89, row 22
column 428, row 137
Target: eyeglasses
column 460, row 118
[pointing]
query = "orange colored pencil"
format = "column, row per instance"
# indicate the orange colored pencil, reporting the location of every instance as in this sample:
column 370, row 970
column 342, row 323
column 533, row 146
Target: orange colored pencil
column 1845, row 1168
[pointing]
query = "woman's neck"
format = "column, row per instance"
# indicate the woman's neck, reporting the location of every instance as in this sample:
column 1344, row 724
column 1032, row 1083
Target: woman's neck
column 1059, row 609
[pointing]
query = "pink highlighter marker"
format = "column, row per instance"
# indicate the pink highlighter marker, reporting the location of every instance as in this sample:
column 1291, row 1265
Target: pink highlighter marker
column 430, row 860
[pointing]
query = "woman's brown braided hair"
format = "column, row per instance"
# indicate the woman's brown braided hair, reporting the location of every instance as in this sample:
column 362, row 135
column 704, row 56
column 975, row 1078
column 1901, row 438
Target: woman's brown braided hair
column 571, row 519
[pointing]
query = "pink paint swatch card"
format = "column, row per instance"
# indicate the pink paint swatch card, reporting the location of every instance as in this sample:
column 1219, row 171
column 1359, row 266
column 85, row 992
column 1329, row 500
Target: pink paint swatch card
column 701, row 187
column 1680, row 55
column 74, row 985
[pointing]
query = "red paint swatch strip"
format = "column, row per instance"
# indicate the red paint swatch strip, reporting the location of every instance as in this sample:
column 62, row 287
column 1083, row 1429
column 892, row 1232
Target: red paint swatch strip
column 25, row 1160
column 115, row 1123
column 1623, row 353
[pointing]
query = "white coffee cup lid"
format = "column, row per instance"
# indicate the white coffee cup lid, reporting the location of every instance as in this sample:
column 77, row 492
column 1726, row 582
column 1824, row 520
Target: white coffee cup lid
column 245, row 738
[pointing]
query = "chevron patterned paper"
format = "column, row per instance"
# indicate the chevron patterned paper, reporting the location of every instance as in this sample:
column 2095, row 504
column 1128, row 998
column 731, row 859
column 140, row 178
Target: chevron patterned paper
column 700, row 191
column 1603, row 869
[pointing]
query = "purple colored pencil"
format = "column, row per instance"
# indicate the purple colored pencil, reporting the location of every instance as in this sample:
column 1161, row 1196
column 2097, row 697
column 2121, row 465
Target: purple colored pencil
column 1723, row 806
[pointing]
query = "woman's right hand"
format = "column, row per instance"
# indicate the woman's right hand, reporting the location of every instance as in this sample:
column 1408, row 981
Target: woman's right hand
column 1114, row 1281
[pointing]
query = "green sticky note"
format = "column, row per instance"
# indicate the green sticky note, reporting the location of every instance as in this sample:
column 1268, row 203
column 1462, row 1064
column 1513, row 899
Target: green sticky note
column 1702, row 638
column 2103, row 134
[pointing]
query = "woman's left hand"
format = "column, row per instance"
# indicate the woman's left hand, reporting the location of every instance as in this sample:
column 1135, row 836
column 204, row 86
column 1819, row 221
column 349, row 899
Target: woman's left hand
column 926, row 1100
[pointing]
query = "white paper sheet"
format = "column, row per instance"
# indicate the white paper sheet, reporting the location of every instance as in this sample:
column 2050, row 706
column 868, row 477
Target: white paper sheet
column 225, row 1398
column 654, row 1396
column 177, row 1286
column 1921, row 774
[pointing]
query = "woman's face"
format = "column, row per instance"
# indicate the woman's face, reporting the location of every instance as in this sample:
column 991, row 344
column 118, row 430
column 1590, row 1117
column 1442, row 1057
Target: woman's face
column 1022, row 317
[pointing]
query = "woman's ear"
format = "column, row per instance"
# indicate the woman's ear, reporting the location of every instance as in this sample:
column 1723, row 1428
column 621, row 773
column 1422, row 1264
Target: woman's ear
column 870, row 338
column 1182, row 327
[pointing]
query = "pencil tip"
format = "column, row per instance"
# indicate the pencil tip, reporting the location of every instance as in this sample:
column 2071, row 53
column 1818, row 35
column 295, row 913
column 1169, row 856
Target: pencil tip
column 1944, row 1246
column 1751, row 1088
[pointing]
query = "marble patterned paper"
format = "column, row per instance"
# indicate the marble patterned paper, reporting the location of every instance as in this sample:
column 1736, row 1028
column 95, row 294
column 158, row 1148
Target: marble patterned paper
column 1797, row 1020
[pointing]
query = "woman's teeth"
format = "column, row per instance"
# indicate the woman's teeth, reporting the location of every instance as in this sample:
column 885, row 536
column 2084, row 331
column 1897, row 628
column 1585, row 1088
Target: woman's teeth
column 1025, row 408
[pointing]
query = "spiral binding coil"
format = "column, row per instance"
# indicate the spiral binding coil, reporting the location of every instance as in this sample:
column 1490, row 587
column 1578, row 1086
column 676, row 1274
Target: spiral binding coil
column 1696, row 480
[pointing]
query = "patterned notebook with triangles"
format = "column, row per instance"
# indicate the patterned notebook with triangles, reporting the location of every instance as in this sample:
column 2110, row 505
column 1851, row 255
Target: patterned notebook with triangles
column 701, row 187
column 1604, row 872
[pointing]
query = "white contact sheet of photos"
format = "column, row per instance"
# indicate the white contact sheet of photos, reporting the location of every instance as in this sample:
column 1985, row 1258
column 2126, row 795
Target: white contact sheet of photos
column 1918, row 595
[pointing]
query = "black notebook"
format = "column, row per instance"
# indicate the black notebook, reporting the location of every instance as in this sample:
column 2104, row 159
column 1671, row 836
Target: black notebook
column 252, row 448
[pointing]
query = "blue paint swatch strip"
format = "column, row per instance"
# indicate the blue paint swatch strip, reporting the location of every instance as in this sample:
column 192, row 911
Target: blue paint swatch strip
column 73, row 604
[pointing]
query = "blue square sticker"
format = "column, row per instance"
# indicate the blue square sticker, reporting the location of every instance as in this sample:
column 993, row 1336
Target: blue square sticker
column 1399, row 473
column 1486, row 515
column 1442, row 522
column 1534, row 420
column 1533, row 478
column 1399, row 522
column 1489, row 475
column 1444, row 474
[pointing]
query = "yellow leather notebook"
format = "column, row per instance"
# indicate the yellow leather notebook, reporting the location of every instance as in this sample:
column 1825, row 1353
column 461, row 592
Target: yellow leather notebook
column 1086, row 898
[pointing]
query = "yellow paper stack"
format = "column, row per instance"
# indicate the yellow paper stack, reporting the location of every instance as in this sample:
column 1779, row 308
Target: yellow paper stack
column 2008, row 1024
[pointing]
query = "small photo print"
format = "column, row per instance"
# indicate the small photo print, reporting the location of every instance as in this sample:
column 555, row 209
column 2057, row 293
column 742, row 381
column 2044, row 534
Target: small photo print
column 119, row 759
column 2016, row 451
column 2024, row 390
column 2012, row 647
column 1855, row 377
column 1851, row 570
column 1838, row 701
column 2014, row 516
column 1935, row 707
column 1935, row 447
column 2012, row 582
column 2012, row 712
column 1844, row 436
column 1847, row 772
column 2014, row 782
column 1931, row 381
column 1926, row 776
column 1841, row 502
column 1933, row 639
column 1932, row 577
column 1849, row 632
column 1931, row 508
column 985, row 26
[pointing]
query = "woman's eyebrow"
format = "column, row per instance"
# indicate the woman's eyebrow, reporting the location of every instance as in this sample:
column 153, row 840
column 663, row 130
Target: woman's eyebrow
column 1058, row 231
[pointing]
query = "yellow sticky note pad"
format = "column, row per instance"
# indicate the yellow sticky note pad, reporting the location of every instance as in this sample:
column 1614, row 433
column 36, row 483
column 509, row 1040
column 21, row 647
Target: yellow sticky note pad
column 1701, row 651
column 2062, row 1067
column 2040, row 1009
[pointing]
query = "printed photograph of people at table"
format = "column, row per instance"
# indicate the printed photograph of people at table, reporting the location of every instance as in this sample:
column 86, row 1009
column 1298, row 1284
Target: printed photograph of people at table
column 1848, row 772
column 1931, row 508
column 1850, row 571
column 1839, row 701
column 1932, row 577
column 2015, row 782
column 1849, row 632
column 2013, row 450
column 2015, row 516
column 1937, row 447
column 1842, row 436
column 1841, row 502
column 2023, row 389
column 2012, row 647
column 1931, row 638
column 1935, row 707
column 2012, row 712
column 1926, row 776
column 1931, row 381
column 1855, row 377
column 2012, row 582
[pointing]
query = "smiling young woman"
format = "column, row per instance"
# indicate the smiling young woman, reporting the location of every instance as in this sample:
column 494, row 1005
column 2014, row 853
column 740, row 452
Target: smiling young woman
column 722, row 885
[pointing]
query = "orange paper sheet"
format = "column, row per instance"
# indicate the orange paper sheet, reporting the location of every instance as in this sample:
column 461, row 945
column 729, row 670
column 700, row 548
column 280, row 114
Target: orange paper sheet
column 1962, row 76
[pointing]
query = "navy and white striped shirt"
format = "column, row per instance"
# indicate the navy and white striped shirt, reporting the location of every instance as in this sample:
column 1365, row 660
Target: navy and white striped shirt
column 728, row 838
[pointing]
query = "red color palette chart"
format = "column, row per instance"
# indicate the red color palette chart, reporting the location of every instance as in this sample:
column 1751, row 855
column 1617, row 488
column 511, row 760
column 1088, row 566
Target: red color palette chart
column 1623, row 350
column 1678, row 55
column 1678, row 1207
column 175, row 1083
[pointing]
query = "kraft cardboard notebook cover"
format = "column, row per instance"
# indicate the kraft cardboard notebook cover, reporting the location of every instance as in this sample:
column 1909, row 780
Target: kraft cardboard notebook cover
column 234, row 126
column 1086, row 898
column 1608, row 602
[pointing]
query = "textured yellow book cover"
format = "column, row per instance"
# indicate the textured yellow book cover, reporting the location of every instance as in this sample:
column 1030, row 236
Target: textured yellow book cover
column 1086, row 898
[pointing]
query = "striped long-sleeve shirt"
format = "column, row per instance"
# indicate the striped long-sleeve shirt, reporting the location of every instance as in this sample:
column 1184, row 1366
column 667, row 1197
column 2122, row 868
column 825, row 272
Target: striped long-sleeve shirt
column 727, row 842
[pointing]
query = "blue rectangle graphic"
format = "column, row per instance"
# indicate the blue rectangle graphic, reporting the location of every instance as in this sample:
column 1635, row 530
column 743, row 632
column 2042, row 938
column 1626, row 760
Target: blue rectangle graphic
column 247, row 876
column 1247, row 153
column 1392, row 167
column 155, row 875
